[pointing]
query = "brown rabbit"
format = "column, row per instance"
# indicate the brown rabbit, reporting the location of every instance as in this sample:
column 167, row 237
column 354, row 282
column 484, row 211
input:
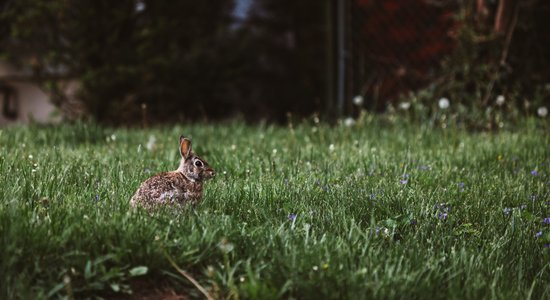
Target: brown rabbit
column 178, row 187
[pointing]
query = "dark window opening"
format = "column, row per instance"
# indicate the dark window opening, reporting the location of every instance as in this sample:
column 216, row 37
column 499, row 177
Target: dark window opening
column 9, row 101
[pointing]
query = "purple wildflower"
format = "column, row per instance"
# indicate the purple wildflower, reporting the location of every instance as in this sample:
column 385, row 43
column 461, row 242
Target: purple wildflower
column 461, row 186
column 533, row 197
column 546, row 221
column 546, row 245
column 534, row 173
column 292, row 217
column 372, row 196
column 404, row 181
column 96, row 197
column 443, row 216
column 413, row 222
column 523, row 206
column 506, row 211
column 538, row 234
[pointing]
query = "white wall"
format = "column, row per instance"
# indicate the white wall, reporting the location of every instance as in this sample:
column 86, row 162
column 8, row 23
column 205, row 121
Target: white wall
column 33, row 103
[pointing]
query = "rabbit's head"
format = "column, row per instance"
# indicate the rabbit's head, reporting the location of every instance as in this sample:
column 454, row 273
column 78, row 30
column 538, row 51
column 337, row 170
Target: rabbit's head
column 192, row 166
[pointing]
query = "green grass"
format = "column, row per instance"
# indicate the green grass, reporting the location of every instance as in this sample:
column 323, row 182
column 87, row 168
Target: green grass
column 360, row 231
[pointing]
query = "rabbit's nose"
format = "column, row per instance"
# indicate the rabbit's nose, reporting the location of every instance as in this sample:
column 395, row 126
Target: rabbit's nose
column 211, row 173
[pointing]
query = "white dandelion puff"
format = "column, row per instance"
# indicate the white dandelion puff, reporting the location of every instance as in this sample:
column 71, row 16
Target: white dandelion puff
column 542, row 111
column 444, row 103
column 500, row 100
column 358, row 100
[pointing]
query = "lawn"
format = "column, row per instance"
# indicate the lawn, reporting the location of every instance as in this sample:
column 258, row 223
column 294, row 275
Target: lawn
column 307, row 211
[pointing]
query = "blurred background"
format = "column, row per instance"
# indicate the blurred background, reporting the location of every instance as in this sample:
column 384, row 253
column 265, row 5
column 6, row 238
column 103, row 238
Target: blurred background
column 140, row 62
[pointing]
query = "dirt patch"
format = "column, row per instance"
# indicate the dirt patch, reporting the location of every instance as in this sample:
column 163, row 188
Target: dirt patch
column 151, row 290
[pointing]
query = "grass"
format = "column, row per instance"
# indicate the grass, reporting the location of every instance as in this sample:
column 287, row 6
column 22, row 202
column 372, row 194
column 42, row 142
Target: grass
column 377, row 210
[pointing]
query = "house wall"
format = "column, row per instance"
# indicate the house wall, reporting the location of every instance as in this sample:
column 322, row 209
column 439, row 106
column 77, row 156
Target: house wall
column 31, row 102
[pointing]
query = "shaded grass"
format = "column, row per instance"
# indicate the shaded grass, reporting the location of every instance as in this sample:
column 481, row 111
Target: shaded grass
column 382, row 211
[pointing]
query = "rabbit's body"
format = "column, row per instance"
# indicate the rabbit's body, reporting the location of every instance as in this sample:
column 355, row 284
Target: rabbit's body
column 178, row 187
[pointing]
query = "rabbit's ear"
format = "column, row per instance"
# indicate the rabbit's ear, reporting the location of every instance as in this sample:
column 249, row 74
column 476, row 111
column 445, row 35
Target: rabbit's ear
column 185, row 147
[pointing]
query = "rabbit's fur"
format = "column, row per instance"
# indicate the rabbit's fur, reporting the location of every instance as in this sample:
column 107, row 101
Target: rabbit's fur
column 178, row 187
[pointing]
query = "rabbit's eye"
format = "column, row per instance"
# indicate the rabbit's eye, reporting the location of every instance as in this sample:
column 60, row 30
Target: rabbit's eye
column 198, row 163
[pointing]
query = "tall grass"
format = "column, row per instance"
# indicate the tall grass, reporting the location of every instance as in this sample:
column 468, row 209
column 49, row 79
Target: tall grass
column 376, row 210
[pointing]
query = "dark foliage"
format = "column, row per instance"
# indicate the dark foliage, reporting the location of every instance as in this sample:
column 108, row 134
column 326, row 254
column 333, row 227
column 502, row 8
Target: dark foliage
column 167, row 61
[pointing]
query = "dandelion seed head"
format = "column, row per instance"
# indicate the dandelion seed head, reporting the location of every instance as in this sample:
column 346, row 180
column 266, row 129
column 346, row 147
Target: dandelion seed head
column 404, row 105
column 500, row 100
column 358, row 100
column 349, row 122
column 542, row 111
column 444, row 103
column 139, row 7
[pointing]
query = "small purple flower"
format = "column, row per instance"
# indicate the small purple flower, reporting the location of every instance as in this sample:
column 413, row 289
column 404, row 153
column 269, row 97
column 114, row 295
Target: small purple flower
column 547, row 246
column 538, row 234
column 443, row 216
column 533, row 197
column 405, row 176
column 523, row 206
column 404, row 181
column 413, row 222
column 534, row 173
column 461, row 186
column 292, row 217
column 372, row 196
column 546, row 221
column 96, row 197
column 506, row 211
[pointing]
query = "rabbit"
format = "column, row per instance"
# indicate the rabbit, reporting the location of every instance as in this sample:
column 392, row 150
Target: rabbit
column 175, row 188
